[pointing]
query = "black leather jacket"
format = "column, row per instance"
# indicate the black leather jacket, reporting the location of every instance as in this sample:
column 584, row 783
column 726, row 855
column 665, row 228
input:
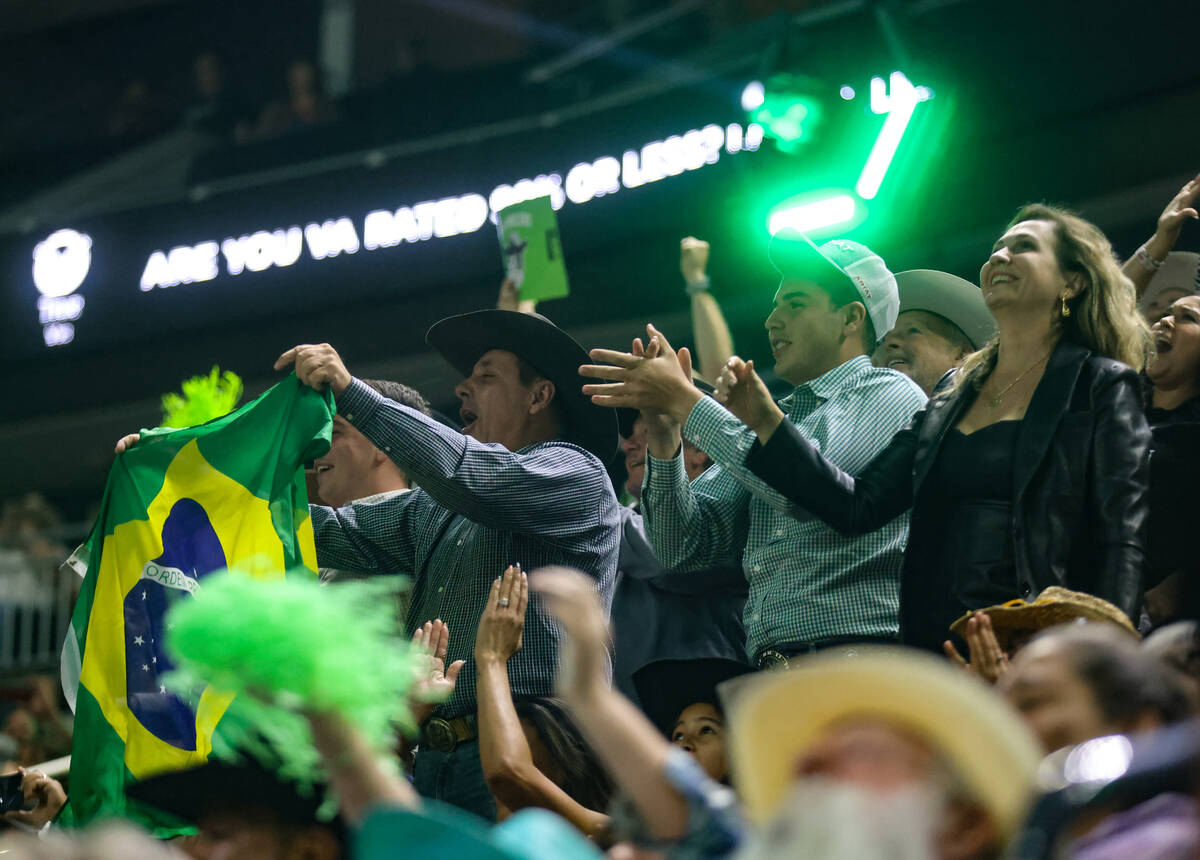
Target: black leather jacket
column 1080, row 476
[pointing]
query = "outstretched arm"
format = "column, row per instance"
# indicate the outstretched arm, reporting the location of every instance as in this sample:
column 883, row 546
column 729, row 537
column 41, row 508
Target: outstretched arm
column 1140, row 268
column 714, row 343
column 504, row 752
column 629, row 746
column 355, row 773
column 794, row 467
column 551, row 491
column 677, row 801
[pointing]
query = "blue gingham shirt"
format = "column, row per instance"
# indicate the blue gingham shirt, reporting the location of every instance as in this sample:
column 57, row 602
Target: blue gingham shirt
column 480, row 507
column 807, row 582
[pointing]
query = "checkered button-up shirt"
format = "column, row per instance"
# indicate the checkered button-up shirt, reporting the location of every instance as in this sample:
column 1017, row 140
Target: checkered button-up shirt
column 807, row 582
column 480, row 507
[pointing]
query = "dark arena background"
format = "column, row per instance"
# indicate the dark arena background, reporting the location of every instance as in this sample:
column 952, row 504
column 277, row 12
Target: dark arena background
column 106, row 134
column 932, row 595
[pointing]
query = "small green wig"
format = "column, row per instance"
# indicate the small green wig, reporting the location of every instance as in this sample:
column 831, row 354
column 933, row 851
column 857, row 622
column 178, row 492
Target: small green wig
column 203, row 399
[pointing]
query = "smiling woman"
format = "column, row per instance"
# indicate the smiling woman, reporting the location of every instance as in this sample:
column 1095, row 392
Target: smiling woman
column 1028, row 468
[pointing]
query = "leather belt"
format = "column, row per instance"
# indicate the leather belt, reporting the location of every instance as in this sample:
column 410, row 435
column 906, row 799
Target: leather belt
column 783, row 656
column 444, row 735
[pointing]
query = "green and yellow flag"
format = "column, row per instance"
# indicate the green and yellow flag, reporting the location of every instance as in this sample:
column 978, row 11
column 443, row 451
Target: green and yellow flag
column 179, row 506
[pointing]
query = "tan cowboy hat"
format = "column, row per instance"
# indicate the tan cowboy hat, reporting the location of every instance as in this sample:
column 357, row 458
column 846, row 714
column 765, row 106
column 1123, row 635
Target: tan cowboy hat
column 950, row 297
column 1053, row 606
column 777, row 716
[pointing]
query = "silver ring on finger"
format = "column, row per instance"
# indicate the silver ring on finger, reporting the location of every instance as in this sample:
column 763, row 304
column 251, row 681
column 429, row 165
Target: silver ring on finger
column 503, row 601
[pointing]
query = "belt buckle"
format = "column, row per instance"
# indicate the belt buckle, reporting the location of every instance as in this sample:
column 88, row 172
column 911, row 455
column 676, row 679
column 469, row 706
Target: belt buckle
column 440, row 735
column 772, row 659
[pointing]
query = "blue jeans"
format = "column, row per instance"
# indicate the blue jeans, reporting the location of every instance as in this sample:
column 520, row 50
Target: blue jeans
column 456, row 778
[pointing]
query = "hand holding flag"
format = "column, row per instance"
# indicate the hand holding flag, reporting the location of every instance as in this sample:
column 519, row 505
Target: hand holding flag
column 317, row 366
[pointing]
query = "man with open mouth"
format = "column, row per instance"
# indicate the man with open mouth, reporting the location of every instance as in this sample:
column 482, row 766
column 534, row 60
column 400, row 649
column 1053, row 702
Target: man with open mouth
column 524, row 482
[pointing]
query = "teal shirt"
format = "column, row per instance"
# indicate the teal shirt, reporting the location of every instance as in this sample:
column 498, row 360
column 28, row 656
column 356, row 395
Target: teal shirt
column 440, row 832
column 807, row 582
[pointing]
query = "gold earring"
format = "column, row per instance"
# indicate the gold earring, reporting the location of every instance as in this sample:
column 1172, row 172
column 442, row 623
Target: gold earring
column 1066, row 311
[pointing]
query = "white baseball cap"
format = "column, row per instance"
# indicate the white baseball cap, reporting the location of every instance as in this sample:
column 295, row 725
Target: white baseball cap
column 795, row 255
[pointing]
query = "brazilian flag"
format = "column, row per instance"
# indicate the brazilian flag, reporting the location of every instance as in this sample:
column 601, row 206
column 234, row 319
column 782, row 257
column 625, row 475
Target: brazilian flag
column 178, row 506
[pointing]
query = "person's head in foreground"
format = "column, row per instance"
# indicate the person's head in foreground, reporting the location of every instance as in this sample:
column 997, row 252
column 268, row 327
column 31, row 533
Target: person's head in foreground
column 1178, row 276
column 680, row 698
column 521, row 381
column 109, row 840
column 884, row 754
column 244, row 812
column 1082, row 681
column 1052, row 265
column 834, row 302
column 942, row 319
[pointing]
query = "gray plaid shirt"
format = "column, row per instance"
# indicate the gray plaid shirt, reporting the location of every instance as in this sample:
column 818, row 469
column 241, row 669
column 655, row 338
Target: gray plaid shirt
column 807, row 581
column 479, row 508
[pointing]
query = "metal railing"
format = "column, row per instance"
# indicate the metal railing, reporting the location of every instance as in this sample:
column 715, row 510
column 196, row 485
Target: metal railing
column 37, row 596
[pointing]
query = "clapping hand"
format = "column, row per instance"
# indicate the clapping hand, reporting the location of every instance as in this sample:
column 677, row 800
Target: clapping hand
column 745, row 395
column 503, row 621
column 571, row 598
column 437, row 681
column 656, row 379
column 988, row 659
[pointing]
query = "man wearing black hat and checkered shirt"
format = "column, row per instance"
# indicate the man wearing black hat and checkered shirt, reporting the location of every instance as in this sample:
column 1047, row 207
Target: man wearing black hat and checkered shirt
column 523, row 483
column 811, row 588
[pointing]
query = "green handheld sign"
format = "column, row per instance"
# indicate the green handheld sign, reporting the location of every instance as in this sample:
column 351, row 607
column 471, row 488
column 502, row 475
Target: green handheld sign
column 532, row 249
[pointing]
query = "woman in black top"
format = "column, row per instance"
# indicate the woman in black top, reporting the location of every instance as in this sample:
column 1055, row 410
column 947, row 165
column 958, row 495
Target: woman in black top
column 1173, row 412
column 1028, row 467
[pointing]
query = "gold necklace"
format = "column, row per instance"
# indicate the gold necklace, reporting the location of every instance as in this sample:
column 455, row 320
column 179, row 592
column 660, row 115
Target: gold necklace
column 995, row 401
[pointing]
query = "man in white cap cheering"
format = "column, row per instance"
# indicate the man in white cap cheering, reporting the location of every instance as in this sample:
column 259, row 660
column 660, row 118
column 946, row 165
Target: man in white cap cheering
column 811, row 588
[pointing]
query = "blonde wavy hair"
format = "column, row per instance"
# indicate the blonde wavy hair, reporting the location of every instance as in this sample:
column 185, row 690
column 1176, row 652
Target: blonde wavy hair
column 1104, row 316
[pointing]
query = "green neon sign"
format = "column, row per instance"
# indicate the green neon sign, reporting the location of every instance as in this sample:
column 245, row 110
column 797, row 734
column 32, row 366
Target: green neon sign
column 898, row 99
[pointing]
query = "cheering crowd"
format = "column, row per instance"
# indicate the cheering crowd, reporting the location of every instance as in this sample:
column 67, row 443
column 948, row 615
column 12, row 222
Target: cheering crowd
column 852, row 622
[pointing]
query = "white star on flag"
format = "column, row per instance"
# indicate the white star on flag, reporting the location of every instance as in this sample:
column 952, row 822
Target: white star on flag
column 162, row 689
column 145, row 668
column 138, row 640
column 143, row 594
column 153, row 659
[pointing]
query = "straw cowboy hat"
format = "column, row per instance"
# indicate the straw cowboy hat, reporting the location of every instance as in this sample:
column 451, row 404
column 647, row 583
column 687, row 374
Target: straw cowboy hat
column 1053, row 606
column 777, row 716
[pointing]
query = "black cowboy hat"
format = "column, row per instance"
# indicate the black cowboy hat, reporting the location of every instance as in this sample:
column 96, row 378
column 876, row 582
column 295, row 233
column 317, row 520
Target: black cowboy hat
column 219, row 786
column 666, row 687
column 464, row 338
